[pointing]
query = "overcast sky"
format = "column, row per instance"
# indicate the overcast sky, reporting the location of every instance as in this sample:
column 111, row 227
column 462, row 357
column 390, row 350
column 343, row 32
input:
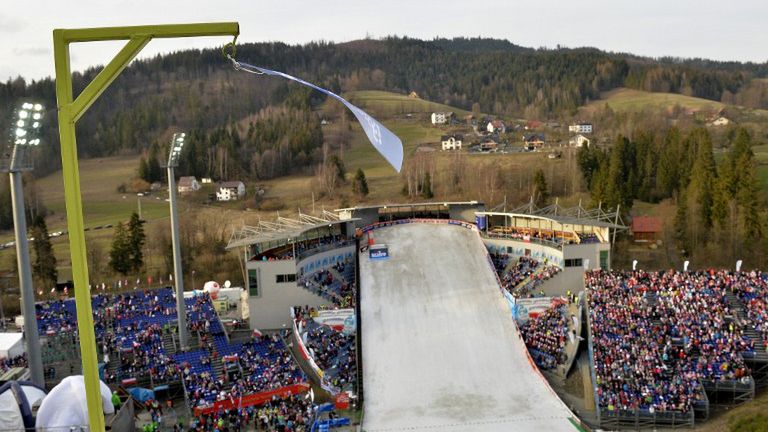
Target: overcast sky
column 718, row 30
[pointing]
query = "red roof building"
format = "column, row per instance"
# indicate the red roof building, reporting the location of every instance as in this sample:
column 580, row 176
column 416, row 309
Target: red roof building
column 646, row 228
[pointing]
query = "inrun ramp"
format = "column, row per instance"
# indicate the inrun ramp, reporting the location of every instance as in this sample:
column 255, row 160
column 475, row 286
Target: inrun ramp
column 440, row 349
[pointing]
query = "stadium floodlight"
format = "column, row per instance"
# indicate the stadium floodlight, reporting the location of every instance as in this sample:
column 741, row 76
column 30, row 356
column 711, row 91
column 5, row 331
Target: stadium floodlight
column 177, row 144
column 16, row 159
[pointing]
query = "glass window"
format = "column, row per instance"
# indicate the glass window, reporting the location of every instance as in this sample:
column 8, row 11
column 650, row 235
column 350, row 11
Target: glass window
column 253, row 282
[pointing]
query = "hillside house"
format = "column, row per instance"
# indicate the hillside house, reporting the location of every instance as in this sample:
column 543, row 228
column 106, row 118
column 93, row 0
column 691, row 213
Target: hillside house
column 720, row 121
column 188, row 184
column 532, row 125
column 646, row 228
column 441, row 118
column 413, row 95
column 488, row 144
column 451, row 142
column 580, row 128
column 578, row 141
column 533, row 141
column 230, row 191
column 496, row 126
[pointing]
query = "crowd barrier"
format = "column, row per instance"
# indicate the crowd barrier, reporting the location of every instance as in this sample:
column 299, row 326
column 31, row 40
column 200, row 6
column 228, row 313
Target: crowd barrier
column 309, row 359
column 254, row 399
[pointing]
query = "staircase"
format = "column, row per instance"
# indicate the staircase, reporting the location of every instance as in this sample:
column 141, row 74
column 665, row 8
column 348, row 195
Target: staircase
column 169, row 343
column 740, row 315
column 218, row 366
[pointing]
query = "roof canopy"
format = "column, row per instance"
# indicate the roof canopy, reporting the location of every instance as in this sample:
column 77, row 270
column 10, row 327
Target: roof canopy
column 566, row 215
column 282, row 228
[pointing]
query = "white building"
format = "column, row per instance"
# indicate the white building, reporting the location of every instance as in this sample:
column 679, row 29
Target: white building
column 230, row 191
column 440, row 118
column 720, row 121
column 582, row 128
column 188, row 184
column 578, row 141
column 496, row 126
column 452, row 142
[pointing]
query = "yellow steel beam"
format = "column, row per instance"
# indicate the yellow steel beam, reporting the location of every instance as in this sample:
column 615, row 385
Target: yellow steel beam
column 107, row 75
column 153, row 31
column 70, row 110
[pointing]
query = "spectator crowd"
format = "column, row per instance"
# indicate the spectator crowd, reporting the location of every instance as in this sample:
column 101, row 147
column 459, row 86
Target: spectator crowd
column 512, row 276
column 659, row 336
column 546, row 335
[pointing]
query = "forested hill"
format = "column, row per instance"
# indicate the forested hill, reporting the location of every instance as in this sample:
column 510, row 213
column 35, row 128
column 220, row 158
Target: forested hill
column 198, row 90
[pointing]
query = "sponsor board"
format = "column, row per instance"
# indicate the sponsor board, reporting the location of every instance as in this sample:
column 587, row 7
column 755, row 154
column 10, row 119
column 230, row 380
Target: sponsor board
column 378, row 252
column 527, row 308
column 334, row 318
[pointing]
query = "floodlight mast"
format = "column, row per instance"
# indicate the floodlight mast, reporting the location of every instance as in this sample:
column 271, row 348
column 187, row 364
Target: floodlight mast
column 177, row 144
column 25, row 135
column 70, row 111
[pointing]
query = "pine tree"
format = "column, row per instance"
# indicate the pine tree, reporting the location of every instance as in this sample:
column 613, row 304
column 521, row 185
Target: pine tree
column 702, row 180
column 44, row 266
column 540, row 189
column 120, row 254
column 360, row 185
column 747, row 199
column 681, row 224
column 136, row 239
column 144, row 170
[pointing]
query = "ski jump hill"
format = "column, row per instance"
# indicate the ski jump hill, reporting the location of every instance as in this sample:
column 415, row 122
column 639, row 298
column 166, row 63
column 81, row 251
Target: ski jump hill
column 440, row 349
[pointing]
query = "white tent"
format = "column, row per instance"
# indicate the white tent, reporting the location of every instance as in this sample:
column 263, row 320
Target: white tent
column 11, row 345
column 65, row 405
column 16, row 401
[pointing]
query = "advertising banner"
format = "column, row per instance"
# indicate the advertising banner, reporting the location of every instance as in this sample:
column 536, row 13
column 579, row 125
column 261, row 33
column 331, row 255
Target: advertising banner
column 527, row 308
column 334, row 318
column 378, row 252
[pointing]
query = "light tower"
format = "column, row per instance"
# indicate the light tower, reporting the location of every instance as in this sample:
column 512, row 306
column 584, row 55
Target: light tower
column 177, row 143
column 16, row 159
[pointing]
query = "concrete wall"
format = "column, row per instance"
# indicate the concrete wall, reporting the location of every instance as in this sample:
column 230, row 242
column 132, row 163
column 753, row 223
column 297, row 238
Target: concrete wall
column 270, row 310
column 590, row 251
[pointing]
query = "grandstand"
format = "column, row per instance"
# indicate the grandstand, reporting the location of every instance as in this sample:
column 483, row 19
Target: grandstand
column 136, row 338
column 684, row 342
column 573, row 239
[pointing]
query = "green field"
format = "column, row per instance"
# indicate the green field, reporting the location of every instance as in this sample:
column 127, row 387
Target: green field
column 629, row 100
column 385, row 104
column 102, row 204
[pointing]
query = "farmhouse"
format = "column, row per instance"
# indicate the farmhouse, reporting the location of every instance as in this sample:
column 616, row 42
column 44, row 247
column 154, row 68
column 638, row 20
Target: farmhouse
column 581, row 128
column 496, row 126
column 188, row 184
column 578, row 141
column 452, row 142
column 230, row 191
column 533, row 141
column 441, row 118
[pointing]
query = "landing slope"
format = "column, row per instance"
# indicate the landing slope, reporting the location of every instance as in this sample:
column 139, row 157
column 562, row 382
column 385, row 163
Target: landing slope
column 440, row 349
